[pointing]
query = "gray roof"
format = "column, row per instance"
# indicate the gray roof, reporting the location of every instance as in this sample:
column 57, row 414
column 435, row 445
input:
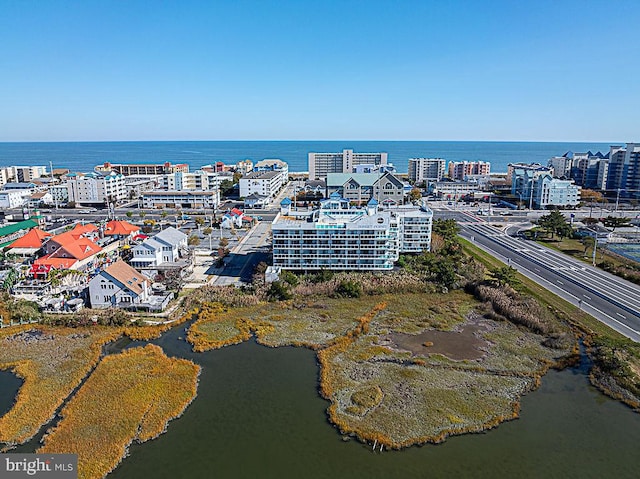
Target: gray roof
column 149, row 243
column 363, row 179
column 171, row 236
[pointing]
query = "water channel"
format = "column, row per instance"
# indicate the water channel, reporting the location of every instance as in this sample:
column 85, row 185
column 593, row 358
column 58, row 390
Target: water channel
column 258, row 414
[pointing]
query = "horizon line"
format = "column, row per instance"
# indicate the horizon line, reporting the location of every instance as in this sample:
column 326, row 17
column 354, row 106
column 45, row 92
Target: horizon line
column 315, row 140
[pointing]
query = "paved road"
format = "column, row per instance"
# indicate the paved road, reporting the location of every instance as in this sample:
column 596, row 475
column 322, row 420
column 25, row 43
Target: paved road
column 606, row 297
column 245, row 256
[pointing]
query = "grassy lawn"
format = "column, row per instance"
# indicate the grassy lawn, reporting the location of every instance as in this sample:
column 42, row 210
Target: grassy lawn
column 573, row 247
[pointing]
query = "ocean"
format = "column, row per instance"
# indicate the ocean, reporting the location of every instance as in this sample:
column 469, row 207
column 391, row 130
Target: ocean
column 83, row 156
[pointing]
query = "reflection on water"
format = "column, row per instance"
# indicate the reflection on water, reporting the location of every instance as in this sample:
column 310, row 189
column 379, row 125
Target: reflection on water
column 9, row 386
column 258, row 414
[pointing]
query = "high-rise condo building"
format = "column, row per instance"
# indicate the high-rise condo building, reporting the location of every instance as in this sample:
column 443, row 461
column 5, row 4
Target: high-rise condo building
column 624, row 170
column 321, row 164
column 426, row 169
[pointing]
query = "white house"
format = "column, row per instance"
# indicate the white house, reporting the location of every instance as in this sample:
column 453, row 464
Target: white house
column 147, row 254
column 164, row 247
column 119, row 285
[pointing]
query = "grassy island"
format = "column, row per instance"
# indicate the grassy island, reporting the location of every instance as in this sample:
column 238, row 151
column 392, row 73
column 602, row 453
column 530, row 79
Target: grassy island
column 407, row 369
column 52, row 362
column 131, row 396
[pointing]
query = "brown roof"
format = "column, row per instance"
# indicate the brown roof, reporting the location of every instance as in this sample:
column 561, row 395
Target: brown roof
column 127, row 275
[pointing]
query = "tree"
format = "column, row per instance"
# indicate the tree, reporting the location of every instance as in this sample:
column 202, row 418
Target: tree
column 504, row 275
column 224, row 242
column 448, row 229
column 278, row 291
column 289, row 278
column 415, row 194
column 588, row 242
column 348, row 289
column 207, row 231
column 142, row 214
column 129, row 214
column 590, row 196
column 199, row 220
column 226, row 187
column 194, row 240
column 614, row 222
column 554, row 223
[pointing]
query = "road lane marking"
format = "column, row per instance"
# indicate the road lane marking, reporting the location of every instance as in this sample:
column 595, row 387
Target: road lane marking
column 621, row 315
column 588, row 297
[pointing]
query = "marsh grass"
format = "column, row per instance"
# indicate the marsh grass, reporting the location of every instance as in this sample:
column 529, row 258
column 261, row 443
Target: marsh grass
column 129, row 397
column 52, row 362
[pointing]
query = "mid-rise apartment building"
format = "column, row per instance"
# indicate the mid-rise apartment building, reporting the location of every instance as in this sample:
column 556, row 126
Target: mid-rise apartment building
column 321, row 164
column 590, row 170
column 96, row 188
column 142, row 169
column 461, row 170
column 181, row 199
column 263, row 183
column 561, row 166
column 536, row 186
column 422, row 170
column 199, row 180
column 21, row 174
column 340, row 237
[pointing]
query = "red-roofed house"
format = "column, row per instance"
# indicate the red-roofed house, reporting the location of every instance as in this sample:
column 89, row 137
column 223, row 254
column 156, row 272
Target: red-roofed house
column 121, row 229
column 30, row 243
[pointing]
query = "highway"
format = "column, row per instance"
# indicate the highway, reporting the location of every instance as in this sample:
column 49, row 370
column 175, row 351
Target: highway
column 608, row 298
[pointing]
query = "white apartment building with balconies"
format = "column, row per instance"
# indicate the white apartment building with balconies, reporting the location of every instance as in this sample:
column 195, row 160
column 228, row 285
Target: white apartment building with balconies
column 422, row 170
column 339, row 237
column 321, row 164
column 262, row 183
column 96, row 188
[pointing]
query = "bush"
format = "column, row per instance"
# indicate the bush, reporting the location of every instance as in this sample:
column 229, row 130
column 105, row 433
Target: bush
column 278, row 291
column 348, row 289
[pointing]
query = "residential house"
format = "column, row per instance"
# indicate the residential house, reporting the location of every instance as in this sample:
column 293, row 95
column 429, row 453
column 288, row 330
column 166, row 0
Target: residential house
column 122, row 230
column 10, row 233
column 119, row 285
column 165, row 248
column 359, row 188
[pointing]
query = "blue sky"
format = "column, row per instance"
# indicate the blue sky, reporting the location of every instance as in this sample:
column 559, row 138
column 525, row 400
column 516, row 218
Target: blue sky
column 423, row 70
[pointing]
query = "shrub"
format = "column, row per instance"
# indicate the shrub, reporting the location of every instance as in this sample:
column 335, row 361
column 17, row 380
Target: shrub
column 278, row 291
column 348, row 289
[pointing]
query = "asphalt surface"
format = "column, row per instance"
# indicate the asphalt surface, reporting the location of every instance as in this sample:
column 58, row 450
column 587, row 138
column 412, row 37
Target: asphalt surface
column 606, row 297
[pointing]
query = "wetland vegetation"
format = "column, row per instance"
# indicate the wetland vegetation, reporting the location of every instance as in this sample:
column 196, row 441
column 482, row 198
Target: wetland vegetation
column 447, row 344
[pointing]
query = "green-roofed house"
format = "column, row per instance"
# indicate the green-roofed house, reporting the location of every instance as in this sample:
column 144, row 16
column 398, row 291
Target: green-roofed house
column 10, row 233
column 359, row 188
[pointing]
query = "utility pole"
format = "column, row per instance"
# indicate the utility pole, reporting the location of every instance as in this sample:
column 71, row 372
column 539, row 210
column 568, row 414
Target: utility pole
column 531, row 194
column 617, row 199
